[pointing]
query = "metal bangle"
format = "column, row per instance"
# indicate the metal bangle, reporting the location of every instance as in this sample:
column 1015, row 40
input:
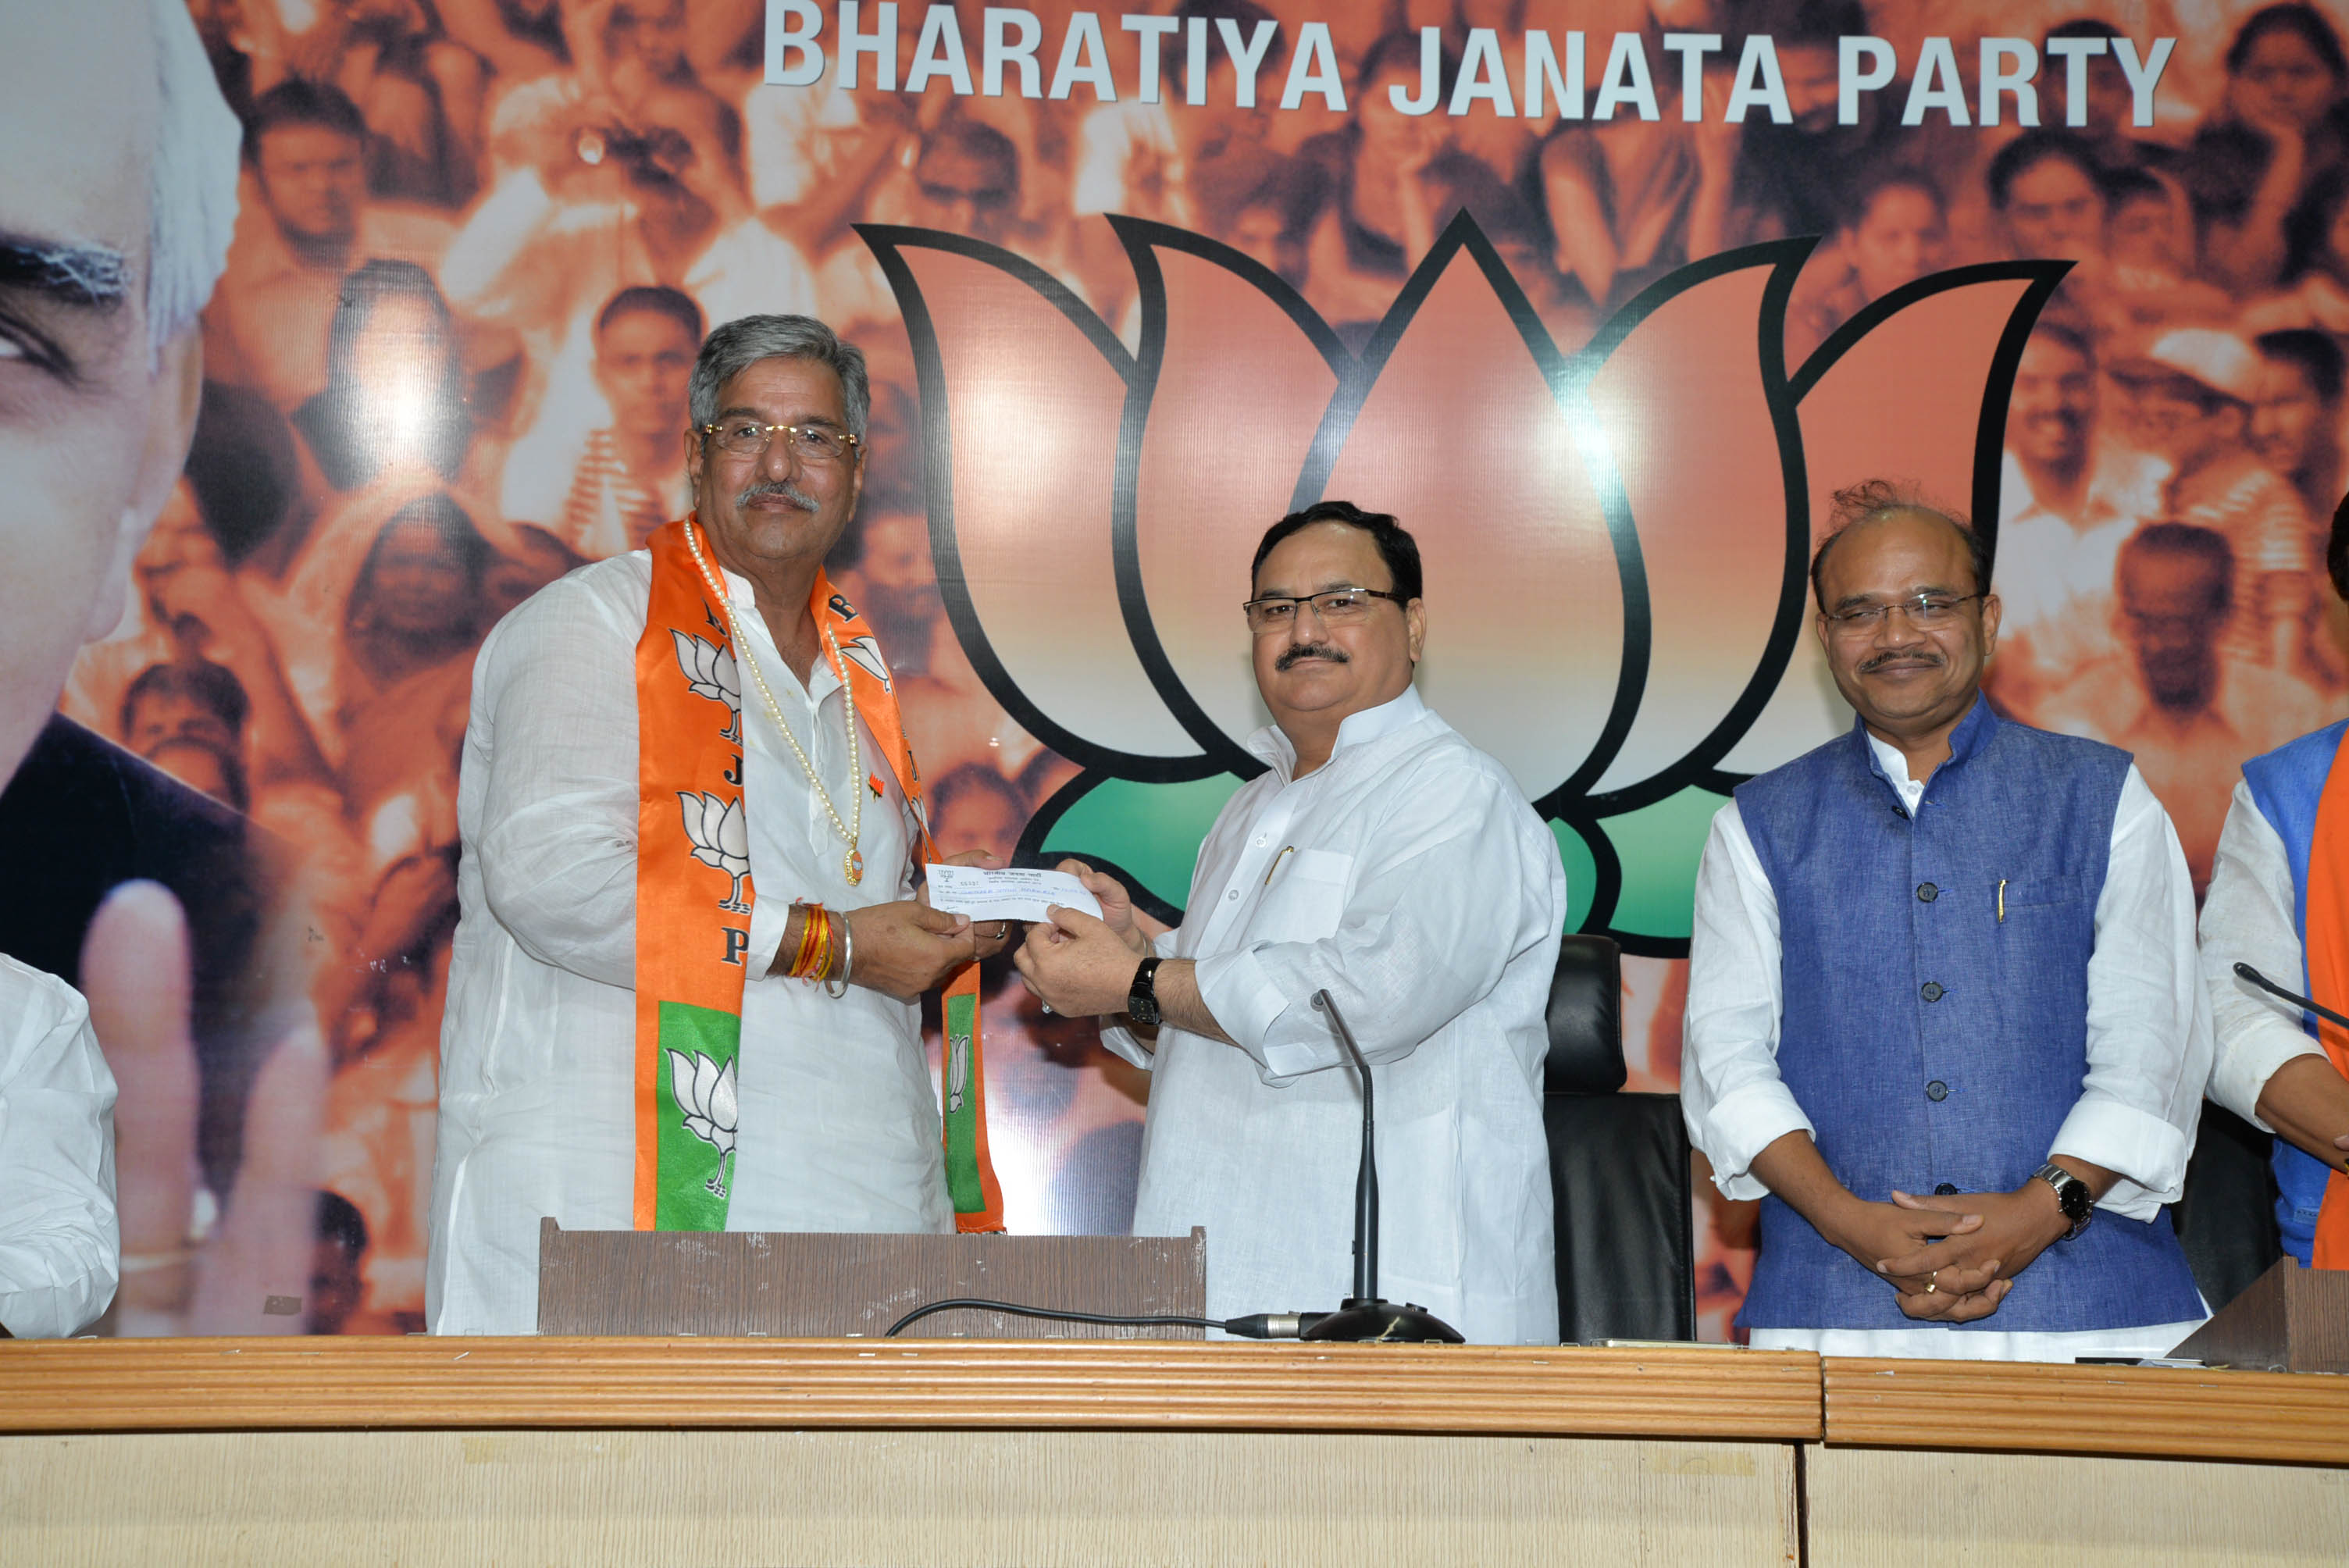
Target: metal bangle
column 847, row 958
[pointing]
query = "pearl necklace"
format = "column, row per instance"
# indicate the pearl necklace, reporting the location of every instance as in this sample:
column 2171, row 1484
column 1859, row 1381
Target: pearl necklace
column 852, row 864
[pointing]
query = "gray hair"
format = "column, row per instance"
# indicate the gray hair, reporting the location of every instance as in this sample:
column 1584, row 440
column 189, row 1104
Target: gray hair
column 732, row 348
column 191, row 179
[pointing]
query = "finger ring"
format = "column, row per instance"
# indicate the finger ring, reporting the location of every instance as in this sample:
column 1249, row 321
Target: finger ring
column 1929, row 1286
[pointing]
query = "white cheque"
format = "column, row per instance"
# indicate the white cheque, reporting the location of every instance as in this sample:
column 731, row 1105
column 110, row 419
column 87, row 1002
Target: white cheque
column 1011, row 893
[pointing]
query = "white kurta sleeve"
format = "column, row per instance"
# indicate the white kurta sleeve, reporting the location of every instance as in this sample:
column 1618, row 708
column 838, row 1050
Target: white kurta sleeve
column 1736, row 1103
column 1423, row 935
column 554, row 695
column 60, row 1245
column 2149, row 1043
column 2250, row 916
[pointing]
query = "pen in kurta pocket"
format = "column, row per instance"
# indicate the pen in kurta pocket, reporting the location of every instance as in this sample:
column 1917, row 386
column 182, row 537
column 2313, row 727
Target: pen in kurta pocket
column 2001, row 900
column 1286, row 850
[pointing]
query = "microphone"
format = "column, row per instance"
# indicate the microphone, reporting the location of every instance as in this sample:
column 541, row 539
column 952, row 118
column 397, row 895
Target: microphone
column 1365, row 1315
column 2245, row 972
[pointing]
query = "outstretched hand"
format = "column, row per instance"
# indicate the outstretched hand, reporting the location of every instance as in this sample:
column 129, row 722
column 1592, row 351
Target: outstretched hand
column 905, row 948
column 1078, row 964
column 1116, row 905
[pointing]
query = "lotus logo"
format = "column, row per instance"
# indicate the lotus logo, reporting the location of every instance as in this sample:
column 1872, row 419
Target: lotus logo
column 704, row 1097
column 709, row 672
column 865, row 652
column 721, row 837
column 957, row 1070
column 1614, row 540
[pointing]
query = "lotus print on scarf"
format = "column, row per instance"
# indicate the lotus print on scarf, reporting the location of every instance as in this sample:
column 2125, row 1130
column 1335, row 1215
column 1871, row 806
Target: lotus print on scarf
column 1615, row 541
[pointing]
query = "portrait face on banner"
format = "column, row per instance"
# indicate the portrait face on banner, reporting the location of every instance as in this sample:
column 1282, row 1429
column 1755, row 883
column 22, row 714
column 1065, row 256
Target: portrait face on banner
column 1604, row 318
column 96, row 414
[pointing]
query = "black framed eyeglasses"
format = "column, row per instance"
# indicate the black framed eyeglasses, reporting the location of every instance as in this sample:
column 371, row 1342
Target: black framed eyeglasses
column 1926, row 612
column 1332, row 608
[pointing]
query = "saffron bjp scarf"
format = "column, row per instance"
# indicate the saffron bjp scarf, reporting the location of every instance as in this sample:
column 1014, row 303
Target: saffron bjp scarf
column 694, row 900
column 2326, row 944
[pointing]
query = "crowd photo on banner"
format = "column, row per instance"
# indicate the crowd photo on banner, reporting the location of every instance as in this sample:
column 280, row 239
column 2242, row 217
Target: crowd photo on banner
column 479, row 242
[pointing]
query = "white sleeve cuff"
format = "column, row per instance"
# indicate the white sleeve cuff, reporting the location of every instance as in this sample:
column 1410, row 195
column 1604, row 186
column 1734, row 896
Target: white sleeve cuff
column 2250, row 1060
column 1121, row 1041
column 2148, row 1153
column 1240, row 996
column 1740, row 1126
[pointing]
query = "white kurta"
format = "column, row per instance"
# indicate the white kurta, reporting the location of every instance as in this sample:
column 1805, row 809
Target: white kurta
column 2251, row 916
column 2149, row 1054
column 838, row 1121
column 60, row 1245
column 1409, row 877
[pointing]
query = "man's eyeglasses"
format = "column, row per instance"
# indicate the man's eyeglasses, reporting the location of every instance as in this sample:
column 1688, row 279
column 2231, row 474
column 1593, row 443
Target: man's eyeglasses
column 1926, row 612
column 809, row 443
column 1334, row 607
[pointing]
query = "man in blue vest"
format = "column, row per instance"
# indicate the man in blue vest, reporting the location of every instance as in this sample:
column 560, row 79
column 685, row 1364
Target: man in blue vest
column 1944, row 1016
column 2280, row 901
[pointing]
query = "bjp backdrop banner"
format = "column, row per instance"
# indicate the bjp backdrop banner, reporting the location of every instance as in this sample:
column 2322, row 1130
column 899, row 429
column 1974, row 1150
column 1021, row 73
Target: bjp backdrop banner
column 1605, row 299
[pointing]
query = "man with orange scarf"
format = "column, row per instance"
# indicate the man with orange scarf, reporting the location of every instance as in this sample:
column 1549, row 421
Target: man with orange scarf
column 2278, row 900
column 685, row 987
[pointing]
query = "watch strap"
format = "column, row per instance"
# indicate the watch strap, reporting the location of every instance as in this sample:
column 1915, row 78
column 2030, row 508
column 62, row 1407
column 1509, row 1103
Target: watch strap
column 1142, row 997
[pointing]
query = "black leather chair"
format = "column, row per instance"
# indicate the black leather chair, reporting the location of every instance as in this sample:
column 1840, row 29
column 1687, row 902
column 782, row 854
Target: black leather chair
column 1619, row 1168
column 2226, row 1216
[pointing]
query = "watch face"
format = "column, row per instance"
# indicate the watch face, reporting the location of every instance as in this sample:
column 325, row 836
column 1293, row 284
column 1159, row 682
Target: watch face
column 1142, row 1001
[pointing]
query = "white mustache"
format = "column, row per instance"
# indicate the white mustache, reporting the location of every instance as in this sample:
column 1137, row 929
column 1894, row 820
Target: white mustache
column 783, row 488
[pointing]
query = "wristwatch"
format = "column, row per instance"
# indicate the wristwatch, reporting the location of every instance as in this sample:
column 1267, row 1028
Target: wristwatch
column 2072, row 1194
column 1141, row 997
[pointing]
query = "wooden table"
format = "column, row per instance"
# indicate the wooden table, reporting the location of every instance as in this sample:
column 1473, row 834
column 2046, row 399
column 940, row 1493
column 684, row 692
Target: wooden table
column 651, row 1452
column 2079, row 1466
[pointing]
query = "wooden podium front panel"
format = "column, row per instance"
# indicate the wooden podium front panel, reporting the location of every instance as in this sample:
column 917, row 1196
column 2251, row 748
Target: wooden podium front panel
column 926, row 1497
column 813, row 1284
column 1868, row 1508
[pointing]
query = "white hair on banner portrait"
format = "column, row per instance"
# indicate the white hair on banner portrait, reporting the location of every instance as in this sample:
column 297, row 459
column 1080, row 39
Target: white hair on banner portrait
column 192, row 182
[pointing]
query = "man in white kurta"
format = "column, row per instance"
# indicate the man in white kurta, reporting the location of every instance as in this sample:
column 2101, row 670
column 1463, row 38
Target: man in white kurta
column 1384, row 858
column 60, row 1249
column 837, row 1123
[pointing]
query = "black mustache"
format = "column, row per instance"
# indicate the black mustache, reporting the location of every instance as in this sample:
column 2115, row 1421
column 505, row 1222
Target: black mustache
column 1303, row 651
column 1903, row 656
column 783, row 488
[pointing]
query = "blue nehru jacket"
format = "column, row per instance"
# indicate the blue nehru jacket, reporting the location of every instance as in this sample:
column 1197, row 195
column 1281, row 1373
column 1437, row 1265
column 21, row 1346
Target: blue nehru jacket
column 2286, row 785
column 1935, row 1045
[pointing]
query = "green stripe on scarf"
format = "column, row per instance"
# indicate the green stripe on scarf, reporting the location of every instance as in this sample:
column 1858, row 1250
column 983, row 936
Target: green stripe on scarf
column 962, row 1107
column 696, row 1086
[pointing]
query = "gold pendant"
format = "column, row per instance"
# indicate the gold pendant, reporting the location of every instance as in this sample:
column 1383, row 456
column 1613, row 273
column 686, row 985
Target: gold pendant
column 852, row 864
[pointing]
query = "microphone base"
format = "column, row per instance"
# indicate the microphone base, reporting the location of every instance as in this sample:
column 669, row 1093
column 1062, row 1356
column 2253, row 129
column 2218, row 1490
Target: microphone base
column 1362, row 1321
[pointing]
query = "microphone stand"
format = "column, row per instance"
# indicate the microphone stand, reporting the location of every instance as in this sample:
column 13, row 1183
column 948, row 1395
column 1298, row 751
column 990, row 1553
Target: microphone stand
column 2245, row 972
column 1365, row 1315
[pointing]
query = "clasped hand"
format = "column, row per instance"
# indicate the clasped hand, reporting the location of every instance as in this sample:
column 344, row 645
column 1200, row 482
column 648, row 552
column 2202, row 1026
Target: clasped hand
column 1953, row 1259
